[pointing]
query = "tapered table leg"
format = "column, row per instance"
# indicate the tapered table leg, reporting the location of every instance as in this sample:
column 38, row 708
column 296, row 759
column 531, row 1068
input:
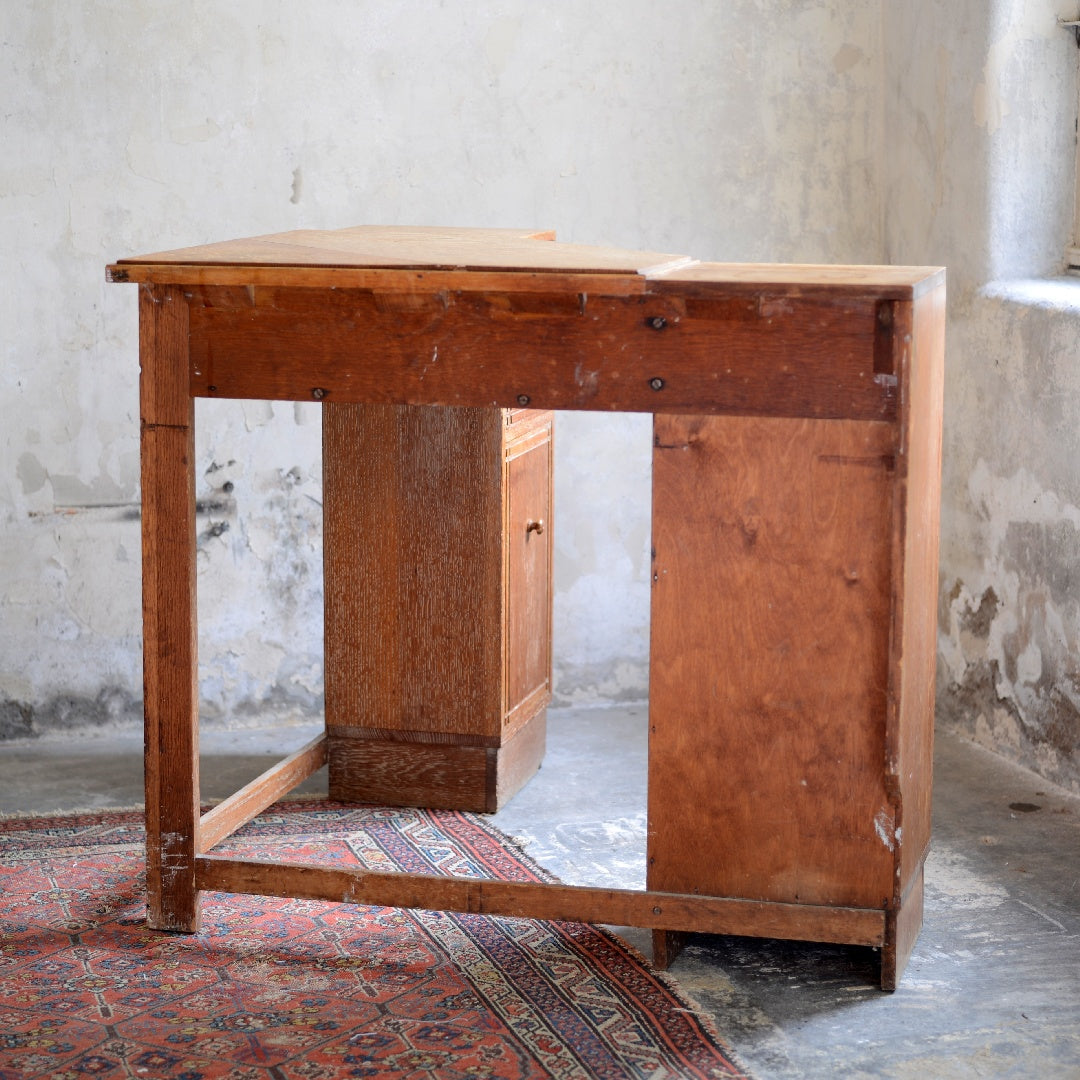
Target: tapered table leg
column 169, row 616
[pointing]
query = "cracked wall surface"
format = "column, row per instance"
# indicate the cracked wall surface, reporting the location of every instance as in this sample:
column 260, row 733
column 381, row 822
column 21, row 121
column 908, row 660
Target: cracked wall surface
column 1009, row 625
column 981, row 101
column 748, row 130
column 930, row 132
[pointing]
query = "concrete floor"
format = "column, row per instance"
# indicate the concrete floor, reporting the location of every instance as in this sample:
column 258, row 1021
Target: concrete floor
column 992, row 989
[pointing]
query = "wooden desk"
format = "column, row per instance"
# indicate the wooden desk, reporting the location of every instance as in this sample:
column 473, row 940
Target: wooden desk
column 796, row 463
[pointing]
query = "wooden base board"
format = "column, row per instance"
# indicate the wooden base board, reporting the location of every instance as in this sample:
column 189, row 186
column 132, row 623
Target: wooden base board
column 439, row 776
column 902, row 926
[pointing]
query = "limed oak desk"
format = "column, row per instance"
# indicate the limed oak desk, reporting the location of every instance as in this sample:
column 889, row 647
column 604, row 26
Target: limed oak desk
column 796, row 464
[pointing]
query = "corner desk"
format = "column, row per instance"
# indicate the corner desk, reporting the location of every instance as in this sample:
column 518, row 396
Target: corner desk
column 795, row 493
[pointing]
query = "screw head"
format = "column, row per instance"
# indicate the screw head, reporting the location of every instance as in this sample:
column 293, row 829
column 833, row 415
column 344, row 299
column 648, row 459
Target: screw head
column 656, row 383
column 523, row 400
column 657, row 322
column 318, row 393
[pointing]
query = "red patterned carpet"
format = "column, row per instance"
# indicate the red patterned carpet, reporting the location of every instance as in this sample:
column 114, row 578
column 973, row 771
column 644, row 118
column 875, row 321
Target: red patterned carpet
column 303, row 990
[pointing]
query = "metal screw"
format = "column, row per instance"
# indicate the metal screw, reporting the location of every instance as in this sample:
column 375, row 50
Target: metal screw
column 211, row 389
column 657, row 383
column 523, row 399
column 318, row 393
column 657, row 322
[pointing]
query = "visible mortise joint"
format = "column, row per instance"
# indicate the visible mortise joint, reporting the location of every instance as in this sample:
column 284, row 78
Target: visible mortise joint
column 149, row 425
column 884, row 358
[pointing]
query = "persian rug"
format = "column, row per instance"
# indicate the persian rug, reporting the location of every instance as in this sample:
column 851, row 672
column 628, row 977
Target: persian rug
column 278, row 989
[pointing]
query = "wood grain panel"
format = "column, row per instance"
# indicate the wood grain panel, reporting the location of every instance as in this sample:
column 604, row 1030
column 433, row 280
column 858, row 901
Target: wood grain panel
column 413, row 568
column 744, row 356
column 769, row 660
column 438, row 776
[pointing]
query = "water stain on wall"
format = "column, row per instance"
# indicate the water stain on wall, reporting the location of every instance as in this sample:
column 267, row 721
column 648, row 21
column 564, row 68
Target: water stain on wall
column 1010, row 669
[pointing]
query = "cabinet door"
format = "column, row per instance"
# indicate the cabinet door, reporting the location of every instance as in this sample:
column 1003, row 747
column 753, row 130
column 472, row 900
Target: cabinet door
column 528, row 549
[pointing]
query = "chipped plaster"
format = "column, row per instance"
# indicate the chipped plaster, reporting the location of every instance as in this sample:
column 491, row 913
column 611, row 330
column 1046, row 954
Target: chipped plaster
column 746, row 130
column 939, row 131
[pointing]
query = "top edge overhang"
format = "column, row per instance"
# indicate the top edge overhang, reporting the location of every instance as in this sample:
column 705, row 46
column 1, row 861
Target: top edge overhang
column 419, row 257
column 372, row 248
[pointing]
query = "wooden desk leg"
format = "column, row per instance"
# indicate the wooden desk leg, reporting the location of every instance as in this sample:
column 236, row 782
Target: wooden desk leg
column 170, row 675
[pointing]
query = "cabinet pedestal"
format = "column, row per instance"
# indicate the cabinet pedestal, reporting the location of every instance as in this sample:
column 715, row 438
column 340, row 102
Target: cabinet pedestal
column 438, row 602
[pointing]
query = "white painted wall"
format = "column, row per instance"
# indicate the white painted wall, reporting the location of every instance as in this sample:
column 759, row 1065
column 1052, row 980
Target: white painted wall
column 934, row 131
column 743, row 130
column 981, row 114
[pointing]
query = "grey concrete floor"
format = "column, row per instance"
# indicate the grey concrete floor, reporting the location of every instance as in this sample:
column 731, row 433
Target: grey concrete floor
column 993, row 986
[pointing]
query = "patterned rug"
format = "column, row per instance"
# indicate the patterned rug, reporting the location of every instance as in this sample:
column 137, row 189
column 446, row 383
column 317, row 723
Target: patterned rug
column 276, row 989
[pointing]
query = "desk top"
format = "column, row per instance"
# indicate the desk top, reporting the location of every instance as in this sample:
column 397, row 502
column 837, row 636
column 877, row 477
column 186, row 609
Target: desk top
column 366, row 256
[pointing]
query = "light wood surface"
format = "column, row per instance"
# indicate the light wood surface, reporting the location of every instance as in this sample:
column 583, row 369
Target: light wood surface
column 797, row 443
column 794, row 279
column 418, row 248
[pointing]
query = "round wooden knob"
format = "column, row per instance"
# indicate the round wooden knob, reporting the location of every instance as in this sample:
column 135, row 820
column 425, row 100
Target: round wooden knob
column 535, row 526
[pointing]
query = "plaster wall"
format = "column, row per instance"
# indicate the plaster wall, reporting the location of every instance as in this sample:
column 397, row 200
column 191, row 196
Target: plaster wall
column 749, row 130
column 980, row 121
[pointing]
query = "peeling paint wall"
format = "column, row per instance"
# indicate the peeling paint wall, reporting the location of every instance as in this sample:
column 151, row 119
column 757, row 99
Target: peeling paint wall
column 1009, row 632
column 981, row 114
column 745, row 130
column 936, row 131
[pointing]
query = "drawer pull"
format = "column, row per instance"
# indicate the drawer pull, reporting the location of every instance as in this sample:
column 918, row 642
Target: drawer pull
column 535, row 526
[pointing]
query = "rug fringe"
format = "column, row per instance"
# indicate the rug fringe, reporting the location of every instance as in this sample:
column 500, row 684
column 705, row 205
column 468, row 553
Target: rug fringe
column 27, row 815
column 672, row 985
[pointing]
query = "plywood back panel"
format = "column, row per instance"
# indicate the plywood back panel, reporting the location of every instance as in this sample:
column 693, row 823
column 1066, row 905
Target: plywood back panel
column 770, row 637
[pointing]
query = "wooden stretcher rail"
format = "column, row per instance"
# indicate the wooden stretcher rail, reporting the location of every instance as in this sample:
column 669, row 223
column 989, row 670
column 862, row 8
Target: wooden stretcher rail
column 250, row 801
column 542, row 900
